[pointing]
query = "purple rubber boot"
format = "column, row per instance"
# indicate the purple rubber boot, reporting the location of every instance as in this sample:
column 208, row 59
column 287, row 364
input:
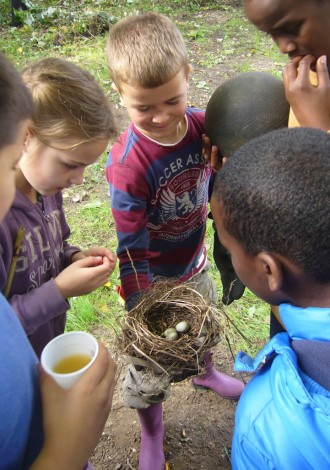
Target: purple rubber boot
column 89, row 466
column 152, row 435
column 222, row 384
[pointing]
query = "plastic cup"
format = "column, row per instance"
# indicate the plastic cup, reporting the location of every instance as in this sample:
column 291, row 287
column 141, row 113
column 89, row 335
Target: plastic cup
column 75, row 343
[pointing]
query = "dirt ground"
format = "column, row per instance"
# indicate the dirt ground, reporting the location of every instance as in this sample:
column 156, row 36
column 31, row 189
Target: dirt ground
column 198, row 424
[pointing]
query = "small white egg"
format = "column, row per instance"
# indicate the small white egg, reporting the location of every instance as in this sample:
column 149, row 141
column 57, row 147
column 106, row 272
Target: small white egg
column 182, row 327
column 168, row 331
column 172, row 336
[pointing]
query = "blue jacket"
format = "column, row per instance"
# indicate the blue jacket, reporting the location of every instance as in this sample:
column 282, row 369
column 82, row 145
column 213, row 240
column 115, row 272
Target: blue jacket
column 21, row 429
column 283, row 417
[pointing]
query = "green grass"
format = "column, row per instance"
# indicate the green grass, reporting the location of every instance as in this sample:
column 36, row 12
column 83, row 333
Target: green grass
column 77, row 31
column 101, row 307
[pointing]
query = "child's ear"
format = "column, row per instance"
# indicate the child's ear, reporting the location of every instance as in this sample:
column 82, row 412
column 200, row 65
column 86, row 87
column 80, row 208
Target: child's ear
column 114, row 87
column 28, row 136
column 272, row 269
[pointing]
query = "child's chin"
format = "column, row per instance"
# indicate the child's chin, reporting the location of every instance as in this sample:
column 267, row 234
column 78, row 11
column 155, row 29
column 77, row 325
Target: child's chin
column 50, row 192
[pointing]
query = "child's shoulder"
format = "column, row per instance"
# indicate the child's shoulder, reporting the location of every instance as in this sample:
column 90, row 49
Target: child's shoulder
column 127, row 138
column 195, row 115
column 196, row 119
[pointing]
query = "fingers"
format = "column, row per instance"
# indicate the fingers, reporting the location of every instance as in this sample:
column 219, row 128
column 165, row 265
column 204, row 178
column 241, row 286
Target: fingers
column 214, row 160
column 101, row 374
column 322, row 72
column 290, row 73
column 97, row 371
column 298, row 69
column 50, row 390
column 101, row 251
column 304, row 69
column 98, row 263
column 308, row 98
column 206, row 150
column 84, row 276
column 210, row 153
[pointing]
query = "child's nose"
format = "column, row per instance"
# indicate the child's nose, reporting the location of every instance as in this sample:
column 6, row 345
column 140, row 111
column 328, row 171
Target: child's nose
column 78, row 176
column 160, row 117
column 286, row 45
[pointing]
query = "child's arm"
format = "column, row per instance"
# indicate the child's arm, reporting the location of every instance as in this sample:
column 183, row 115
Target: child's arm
column 35, row 305
column 129, row 197
column 74, row 419
column 310, row 103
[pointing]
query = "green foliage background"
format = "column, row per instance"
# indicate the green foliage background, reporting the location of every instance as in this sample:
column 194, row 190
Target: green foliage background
column 76, row 30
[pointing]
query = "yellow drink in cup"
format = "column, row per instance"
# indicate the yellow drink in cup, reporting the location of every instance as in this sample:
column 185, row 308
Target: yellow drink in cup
column 71, row 363
column 67, row 357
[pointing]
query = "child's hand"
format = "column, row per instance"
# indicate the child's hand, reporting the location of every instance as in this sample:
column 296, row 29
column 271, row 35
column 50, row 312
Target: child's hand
column 96, row 251
column 84, row 276
column 74, row 418
column 211, row 153
column 310, row 103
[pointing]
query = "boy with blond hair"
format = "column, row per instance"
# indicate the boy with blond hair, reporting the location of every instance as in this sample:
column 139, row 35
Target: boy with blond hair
column 159, row 184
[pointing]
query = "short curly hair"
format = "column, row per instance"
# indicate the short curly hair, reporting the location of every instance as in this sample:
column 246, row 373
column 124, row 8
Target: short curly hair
column 275, row 196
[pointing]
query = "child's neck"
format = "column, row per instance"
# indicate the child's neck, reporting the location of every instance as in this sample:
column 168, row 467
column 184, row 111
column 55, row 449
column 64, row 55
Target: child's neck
column 176, row 137
column 24, row 186
column 311, row 294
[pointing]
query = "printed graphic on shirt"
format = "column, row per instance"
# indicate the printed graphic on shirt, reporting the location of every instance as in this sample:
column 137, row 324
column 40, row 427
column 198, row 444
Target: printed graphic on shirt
column 40, row 251
column 180, row 209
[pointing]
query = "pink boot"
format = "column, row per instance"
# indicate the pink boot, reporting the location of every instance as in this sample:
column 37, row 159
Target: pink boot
column 152, row 435
column 223, row 385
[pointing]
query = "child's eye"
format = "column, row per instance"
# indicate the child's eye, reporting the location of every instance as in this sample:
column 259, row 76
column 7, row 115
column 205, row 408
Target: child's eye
column 293, row 29
column 173, row 102
column 288, row 30
column 143, row 110
column 71, row 167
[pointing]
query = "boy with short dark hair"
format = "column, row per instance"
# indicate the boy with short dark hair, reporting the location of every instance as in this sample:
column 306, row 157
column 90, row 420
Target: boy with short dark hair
column 300, row 28
column 277, row 232
column 241, row 108
column 159, row 184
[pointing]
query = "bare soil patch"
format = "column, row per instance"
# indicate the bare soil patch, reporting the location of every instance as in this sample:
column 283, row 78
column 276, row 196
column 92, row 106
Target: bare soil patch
column 198, row 424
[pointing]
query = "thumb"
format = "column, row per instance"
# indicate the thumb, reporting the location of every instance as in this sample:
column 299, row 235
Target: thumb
column 47, row 384
column 322, row 71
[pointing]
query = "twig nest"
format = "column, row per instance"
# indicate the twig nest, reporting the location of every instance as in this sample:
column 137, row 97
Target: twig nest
column 165, row 310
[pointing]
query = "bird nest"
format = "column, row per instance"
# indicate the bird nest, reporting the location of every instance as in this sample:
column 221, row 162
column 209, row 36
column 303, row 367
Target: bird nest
column 163, row 306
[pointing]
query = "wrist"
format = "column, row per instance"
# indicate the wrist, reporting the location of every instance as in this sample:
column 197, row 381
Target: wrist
column 53, row 461
column 77, row 256
column 62, row 290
